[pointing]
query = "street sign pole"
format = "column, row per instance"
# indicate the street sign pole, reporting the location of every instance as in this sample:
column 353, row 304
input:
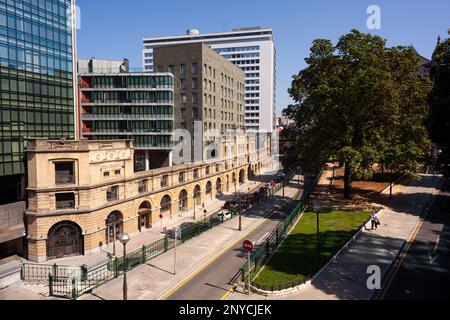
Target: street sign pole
column 175, row 252
column 248, row 246
column 249, row 278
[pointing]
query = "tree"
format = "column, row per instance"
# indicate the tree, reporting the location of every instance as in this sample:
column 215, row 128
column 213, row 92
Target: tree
column 361, row 103
column 439, row 122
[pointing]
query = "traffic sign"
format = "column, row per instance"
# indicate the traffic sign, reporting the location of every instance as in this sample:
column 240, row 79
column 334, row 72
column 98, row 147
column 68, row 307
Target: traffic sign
column 248, row 245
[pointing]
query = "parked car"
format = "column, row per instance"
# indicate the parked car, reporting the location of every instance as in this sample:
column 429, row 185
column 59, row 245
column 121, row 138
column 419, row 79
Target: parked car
column 225, row 215
column 229, row 204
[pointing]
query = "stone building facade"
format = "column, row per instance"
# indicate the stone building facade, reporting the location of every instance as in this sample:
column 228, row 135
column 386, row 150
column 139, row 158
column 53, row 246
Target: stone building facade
column 82, row 194
column 208, row 88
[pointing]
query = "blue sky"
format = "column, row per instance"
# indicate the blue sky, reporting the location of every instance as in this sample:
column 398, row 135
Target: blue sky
column 113, row 29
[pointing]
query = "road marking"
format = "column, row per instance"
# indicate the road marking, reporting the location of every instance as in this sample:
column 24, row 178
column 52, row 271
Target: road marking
column 229, row 292
column 260, row 239
column 217, row 256
column 437, row 244
column 411, row 241
column 214, row 258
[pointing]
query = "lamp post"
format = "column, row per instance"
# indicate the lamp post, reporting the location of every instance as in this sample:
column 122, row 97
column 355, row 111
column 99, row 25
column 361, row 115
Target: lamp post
column 124, row 238
column 240, row 218
column 317, row 210
column 114, row 239
column 195, row 200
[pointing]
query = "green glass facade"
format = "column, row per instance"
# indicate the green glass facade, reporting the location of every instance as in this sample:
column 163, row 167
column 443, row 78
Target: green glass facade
column 128, row 106
column 36, row 71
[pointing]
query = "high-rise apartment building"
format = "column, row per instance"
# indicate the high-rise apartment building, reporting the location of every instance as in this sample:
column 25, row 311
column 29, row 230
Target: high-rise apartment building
column 251, row 49
column 208, row 88
column 36, row 71
column 116, row 103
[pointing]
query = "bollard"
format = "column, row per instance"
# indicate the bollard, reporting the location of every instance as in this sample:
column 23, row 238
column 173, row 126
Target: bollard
column 143, row 254
column 74, row 290
column 50, row 284
column 84, row 272
column 166, row 243
column 116, row 267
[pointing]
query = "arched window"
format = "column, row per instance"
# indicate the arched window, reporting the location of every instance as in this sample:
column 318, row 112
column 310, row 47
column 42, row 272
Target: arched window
column 183, row 200
column 166, row 204
column 114, row 226
column 197, row 195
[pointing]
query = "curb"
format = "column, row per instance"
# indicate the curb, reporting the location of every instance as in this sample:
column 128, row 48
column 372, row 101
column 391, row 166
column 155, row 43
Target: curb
column 401, row 254
column 179, row 284
column 318, row 273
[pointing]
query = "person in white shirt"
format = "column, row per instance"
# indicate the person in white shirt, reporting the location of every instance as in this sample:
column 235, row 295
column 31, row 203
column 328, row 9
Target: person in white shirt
column 374, row 219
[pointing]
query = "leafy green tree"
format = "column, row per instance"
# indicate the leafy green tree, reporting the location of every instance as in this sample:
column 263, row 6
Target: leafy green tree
column 439, row 122
column 362, row 103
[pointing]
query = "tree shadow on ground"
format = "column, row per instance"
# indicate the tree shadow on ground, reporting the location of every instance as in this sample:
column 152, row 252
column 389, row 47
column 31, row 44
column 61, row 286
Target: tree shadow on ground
column 364, row 200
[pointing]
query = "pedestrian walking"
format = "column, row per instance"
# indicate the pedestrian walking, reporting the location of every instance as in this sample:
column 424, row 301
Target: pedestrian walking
column 374, row 220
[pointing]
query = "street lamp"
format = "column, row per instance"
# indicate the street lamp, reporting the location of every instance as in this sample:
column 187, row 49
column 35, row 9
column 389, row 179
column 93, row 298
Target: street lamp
column 317, row 210
column 240, row 217
column 124, row 238
column 195, row 200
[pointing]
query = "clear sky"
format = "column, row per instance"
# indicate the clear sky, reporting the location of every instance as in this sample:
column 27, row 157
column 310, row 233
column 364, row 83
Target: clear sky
column 114, row 29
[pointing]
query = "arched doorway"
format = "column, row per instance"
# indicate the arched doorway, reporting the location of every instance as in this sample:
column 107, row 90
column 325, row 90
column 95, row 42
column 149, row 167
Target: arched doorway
column 64, row 239
column 218, row 186
column 145, row 215
column 209, row 189
column 197, row 195
column 241, row 176
column 166, row 205
column 183, row 201
column 114, row 226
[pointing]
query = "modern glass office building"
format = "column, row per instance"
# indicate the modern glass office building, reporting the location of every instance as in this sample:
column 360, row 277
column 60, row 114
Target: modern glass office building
column 251, row 49
column 119, row 104
column 37, row 82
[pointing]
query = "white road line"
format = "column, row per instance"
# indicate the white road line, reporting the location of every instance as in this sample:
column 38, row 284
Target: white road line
column 437, row 244
column 261, row 239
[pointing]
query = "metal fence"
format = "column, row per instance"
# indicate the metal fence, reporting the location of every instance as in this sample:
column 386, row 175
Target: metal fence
column 279, row 287
column 264, row 252
column 31, row 272
column 73, row 284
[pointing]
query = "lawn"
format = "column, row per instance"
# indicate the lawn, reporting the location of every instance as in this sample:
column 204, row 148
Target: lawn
column 295, row 260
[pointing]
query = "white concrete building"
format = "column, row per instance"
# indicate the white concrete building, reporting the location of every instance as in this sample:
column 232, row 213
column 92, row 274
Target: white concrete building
column 253, row 50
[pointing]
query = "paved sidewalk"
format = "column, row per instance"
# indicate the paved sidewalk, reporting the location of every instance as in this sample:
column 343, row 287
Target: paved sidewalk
column 345, row 279
column 155, row 278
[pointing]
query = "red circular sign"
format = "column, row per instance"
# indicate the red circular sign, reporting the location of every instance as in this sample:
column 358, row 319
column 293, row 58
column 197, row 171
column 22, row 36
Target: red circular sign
column 248, row 245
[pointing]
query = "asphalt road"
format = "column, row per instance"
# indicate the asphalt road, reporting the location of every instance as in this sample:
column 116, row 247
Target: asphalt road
column 425, row 271
column 212, row 283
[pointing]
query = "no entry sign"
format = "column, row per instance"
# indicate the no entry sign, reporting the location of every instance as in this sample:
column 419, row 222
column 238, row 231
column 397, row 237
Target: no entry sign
column 248, row 245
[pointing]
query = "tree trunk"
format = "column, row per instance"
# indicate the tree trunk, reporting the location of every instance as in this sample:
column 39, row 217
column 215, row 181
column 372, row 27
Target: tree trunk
column 347, row 181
